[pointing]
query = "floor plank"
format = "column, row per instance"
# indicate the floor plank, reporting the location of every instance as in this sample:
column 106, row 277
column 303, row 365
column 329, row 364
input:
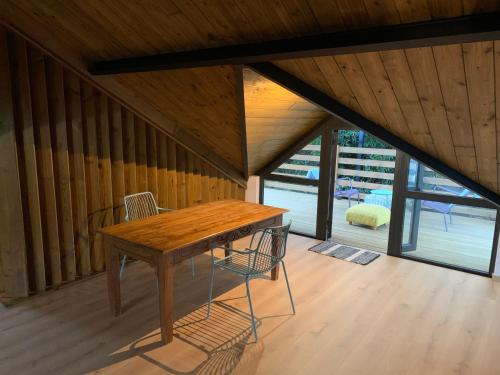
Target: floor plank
column 393, row 316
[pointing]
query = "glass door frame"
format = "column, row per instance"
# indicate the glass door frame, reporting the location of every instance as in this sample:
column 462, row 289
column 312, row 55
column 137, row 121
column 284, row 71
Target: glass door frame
column 401, row 193
column 325, row 184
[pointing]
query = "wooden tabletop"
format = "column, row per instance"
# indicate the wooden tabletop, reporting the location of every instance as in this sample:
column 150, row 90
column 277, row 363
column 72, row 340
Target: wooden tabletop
column 176, row 229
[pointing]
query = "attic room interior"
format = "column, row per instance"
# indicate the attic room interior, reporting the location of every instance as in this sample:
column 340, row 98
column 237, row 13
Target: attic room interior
column 249, row 187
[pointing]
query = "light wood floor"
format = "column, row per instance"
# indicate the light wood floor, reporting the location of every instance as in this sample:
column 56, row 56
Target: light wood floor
column 393, row 316
column 467, row 243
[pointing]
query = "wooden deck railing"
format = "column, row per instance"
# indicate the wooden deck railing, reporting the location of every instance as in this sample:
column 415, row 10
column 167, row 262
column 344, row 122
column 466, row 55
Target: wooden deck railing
column 362, row 179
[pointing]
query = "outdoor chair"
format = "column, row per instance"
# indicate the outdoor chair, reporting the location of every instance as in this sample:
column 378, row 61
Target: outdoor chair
column 255, row 262
column 444, row 208
column 347, row 191
column 140, row 206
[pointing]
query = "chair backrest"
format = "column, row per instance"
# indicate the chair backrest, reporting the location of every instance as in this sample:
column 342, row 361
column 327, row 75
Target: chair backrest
column 139, row 206
column 271, row 248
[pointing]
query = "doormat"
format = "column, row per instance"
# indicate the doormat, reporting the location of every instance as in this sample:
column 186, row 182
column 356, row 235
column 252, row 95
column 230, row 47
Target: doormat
column 344, row 252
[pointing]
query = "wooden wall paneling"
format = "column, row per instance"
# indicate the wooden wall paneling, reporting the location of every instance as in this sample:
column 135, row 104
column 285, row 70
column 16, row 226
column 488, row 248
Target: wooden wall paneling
column 451, row 72
column 172, row 173
column 426, row 79
column 141, row 155
column 212, row 184
column 497, row 105
column 220, row 186
column 129, row 152
column 152, row 161
column 205, row 182
column 197, row 180
column 14, row 272
column 162, row 169
column 92, row 176
column 190, row 188
column 73, row 102
column 46, row 183
column 104, row 154
column 57, row 117
column 227, row 188
column 21, row 94
column 117, row 160
column 480, row 75
column 181, row 176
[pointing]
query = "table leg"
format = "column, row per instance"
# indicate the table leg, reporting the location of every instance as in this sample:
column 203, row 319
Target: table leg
column 165, row 272
column 275, row 272
column 113, row 276
column 227, row 252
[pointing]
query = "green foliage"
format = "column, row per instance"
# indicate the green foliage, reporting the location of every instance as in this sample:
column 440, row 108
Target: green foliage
column 350, row 138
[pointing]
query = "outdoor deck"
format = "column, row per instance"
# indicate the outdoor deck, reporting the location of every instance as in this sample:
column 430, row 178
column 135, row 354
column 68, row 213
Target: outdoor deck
column 467, row 243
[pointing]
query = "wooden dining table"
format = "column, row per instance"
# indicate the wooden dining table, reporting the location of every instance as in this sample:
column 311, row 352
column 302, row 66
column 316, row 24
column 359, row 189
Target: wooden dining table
column 168, row 239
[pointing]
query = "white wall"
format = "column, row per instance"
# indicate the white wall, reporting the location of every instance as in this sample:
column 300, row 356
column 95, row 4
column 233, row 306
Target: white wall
column 252, row 192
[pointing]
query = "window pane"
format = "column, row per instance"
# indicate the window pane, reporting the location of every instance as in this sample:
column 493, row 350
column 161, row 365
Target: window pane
column 422, row 178
column 304, row 164
column 447, row 233
column 302, row 201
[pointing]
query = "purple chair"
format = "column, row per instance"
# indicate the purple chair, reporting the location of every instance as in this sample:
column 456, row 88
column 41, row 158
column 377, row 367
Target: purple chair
column 444, row 208
column 345, row 191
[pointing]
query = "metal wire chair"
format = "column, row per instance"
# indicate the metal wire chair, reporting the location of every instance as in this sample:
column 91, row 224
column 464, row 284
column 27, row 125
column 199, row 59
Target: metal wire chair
column 254, row 262
column 140, row 206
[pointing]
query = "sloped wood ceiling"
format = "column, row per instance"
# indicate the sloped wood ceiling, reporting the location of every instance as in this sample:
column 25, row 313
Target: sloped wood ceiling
column 275, row 119
column 440, row 99
column 198, row 107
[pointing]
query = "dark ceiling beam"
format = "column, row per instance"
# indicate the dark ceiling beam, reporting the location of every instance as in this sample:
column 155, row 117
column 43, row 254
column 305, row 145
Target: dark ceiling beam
column 428, row 33
column 346, row 114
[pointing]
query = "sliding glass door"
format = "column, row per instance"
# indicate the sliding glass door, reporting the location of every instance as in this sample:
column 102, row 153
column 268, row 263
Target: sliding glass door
column 439, row 221
column 432, row 218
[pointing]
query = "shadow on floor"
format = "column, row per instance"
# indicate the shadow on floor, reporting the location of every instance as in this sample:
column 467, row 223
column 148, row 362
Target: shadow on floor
column 76, row 321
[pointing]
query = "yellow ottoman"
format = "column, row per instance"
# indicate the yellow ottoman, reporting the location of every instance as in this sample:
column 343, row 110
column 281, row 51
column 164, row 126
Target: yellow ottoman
column 371, row 215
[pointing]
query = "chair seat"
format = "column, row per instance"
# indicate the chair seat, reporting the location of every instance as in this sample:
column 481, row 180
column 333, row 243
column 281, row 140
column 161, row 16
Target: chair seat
column 346, row 193
column 240, row 263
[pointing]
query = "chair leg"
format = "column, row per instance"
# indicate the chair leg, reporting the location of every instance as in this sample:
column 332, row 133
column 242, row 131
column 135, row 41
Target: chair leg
column 210, row 284
column 122, row 268
column 445, row 223
column 193, row 269
column 254, row 328
column 288, row 287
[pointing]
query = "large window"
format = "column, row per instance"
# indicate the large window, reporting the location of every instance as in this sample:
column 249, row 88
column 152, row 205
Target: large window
column 423, row 215
column 441, row 221
column 294, row 185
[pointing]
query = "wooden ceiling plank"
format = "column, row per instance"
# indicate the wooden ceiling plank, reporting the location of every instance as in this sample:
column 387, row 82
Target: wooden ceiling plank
column 354, row 75
column 338, row 85
column 445, row 8
column 382, row 12
column 378, row 79
column 479, row 6
column 327, row 15
column 413, row 10
column 480, row 75
column 450, row 69
column 426, row 81
column 397, row 69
